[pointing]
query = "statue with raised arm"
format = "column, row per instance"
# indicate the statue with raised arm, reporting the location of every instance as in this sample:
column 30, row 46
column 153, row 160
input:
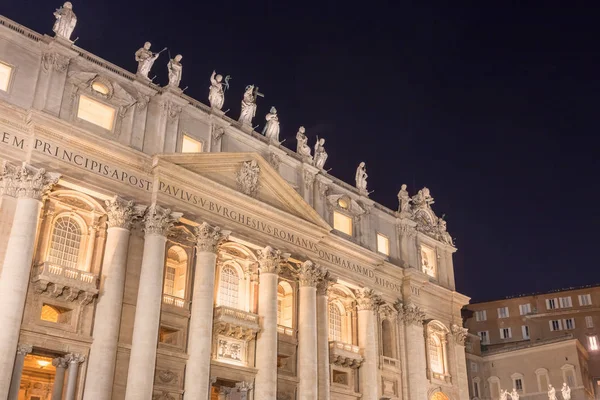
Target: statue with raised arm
column 302, row 148
column 551, row 393
column 216, row 94
column 503, row 394
column 361, row 178
column 271, row 129
column 175, row 70
column 566, row 391
column 248, row 106
column 514, row 395
column 65, row 21
column 145, row 59
column 320, row 153
column 404, row 202
column 423, row 199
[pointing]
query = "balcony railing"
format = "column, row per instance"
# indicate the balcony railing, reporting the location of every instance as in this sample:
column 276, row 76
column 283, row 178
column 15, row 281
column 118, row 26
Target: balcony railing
column 345, row 354
column 284, row 330
column 390, row 363
column 175, row 301
column 70, row 283
column 344, row 346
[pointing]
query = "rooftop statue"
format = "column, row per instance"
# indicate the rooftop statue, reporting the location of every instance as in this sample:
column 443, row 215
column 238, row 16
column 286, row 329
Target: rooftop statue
column 175, row 69
column 320, row 153
column 444, row 236
column 514, row 395
column 271, row 129
column 361, row 179
column 303, row 148
column 145, row 59
column 503, row 394
column 216, row 94
column 65, row 21
column 551, row 393
column 566, row 391
column 248, row 105
column 423, row 199
column 404, row 202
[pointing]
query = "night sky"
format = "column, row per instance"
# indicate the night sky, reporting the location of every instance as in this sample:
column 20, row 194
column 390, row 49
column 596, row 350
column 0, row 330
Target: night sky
column 494, row 108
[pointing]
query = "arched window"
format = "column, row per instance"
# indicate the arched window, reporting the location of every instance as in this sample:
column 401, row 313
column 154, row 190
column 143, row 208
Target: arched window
column 285, row 304
column 387, row 338
column 335, row 323
column 542, row 379
column 436, row 349
column 65, row 242
column 175, row 272
column 436, row 354
column 229, row 286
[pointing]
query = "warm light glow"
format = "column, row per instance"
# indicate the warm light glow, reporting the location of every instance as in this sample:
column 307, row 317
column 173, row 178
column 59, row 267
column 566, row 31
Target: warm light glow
column 95, row 112
column 100, row 88
column 43, row 363
column 343, row 203
column 342, row 223
column 49, row 313
column 428, row 261
column 383, row 244
column 190, row 145
column 593, row 342
column 5, row 73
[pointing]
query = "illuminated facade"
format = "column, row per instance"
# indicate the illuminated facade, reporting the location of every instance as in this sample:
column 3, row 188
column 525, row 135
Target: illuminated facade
column 155, row 248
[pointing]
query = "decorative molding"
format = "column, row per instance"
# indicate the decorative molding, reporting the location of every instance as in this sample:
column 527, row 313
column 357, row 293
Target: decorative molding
column 459, row 333
column 75, row 358
column 56, row 61
column 208, row 238
column 270, row 260
column 409, row 313
column 24, row 349
column 247, row 178
column 309, row 179
column 171, row 109
column 26, row 181
column 163, row 396
column 60, row 362
column 367, row 299
column 167, row 376
column 274, row 160
column 323, row 188
column 158, row 220
column 311, row 274
column 121, row 213
column 217, row 132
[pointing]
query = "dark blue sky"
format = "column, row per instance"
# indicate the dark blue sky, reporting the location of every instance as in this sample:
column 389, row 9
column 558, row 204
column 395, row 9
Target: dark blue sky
column 493, row 107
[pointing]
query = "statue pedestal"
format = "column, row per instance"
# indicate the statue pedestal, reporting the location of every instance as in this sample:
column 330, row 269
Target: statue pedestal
column 173, row 89
column 246, row 128
column 65, row 42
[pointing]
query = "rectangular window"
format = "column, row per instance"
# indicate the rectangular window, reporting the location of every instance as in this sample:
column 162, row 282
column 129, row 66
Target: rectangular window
column 569, row 323
column 5, row 74
column 593, row 343
column 505, row 333
column 342, row 223
column 170, row 281
column 525, row 331
column 383, row 244
column 484, row 336
column 480, row 315
column 518, row 384
column 95, row 112
column 503, row 312
column 551, row 304
column 555, row 325
column 589, row 321
column 189, row 145
column 474, row 367
column 525, row 309
column 585, row 300
column 476, row 389
column 565, row 302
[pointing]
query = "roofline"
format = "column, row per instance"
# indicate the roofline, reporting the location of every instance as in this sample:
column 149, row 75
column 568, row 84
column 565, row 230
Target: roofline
column 594, row 285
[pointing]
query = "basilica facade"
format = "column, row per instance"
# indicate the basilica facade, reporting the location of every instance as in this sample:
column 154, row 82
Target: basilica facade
column 152, row 247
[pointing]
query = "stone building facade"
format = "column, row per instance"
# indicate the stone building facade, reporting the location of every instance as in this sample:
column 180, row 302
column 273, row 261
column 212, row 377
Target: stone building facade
column 153, row 247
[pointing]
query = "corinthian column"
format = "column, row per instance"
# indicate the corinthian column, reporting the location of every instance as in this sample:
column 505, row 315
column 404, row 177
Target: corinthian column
column 28, row 185
column 310, row 275
column 74, row 361
column 140, row 378
column 103, row 354
column 22, row 351
column 197, row 371
column 61, row 364
column 266, row 343
column 367, row 304
column 458, row 348
column 323, row 339
column 412, row 320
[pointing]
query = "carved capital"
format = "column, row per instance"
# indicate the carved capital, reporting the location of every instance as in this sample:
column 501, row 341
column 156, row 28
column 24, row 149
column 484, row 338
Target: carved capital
column 410, row 313
column 311, row 274
column 121, row 212
column 270, row 260
column 209, row 238
column 171, row 109
column 60, row 362
column 309, row 180
column 459, row 333
column 158, row 220
column 323, row 189
column 26, row 181
column 367, row 299
column 244, row 386
column 274, row 160
column 217, row 132
column 24, row 349
column 75, row 358
column 56, row 61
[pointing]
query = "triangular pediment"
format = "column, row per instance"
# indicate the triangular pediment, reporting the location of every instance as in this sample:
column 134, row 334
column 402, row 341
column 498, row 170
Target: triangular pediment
column 224, row 168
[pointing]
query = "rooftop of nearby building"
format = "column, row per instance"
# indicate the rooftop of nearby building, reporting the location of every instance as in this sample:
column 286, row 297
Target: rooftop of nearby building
column 560, row 290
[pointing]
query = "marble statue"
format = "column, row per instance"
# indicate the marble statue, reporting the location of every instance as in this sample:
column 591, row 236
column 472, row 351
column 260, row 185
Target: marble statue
column 404, row 202
column 503, row 394
column 320, row 153
column 175, row 70
column 271, row 129
column 65, row 21
column 216, row 94
column 443, row 234
column 248, row 106
column 361, row 178
column 423, row 199
column 551, row 393
column 514, row 395
column 302, row 148
column 566, row 391
column 145, row 59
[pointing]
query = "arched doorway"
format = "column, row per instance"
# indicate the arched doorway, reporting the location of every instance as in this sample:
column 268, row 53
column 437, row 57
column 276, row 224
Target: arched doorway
column 439, row 396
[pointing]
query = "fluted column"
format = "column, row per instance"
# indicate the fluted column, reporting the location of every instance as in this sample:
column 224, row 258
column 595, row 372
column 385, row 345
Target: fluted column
column 28, row 185
column 197, row 371
column 266, row 343
column 60, row 364
column 309, row 276
column 140, row 378
column 15, row 384
column 323, row 340
column 367, row 304
column 74, row 360
column 412, row 318
column 103, row 353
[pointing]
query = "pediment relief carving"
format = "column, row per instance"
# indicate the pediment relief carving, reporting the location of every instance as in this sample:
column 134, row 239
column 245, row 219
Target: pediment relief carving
column 103, row 88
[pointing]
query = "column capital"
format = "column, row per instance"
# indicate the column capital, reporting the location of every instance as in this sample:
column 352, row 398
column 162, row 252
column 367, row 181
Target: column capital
column 208, row 238
column 75, row 358
column 26, row 181
column 159, row 220
column 121, row 212
column 244, row 386
column 367, row 299
column 311, row 274
column 459, row 333
column 24, row 349
column 60, row 362
column 324, row 285
column 270, row 260
column 410, row 313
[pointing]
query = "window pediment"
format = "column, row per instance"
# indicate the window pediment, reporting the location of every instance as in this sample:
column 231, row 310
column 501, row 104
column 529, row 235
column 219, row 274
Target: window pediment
column 345, row 204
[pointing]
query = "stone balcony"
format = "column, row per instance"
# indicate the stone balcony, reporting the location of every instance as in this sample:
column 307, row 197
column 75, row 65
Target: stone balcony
column 389, row 363
column 176, row 302
column 68, row 283
column 235, row 323
column 345, row 355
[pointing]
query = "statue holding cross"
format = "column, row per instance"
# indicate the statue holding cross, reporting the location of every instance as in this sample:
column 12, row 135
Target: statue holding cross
column 249, row 105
